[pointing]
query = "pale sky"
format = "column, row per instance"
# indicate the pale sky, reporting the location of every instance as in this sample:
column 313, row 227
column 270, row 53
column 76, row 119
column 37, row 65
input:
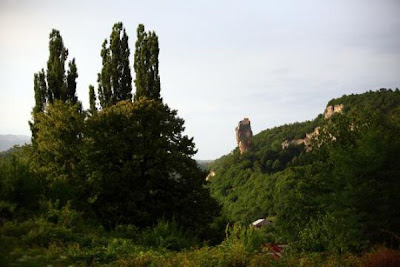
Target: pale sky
column 275, row 62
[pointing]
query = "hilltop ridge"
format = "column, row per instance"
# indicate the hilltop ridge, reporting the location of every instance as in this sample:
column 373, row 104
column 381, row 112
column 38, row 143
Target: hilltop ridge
column 7, row 141
column 245, row 184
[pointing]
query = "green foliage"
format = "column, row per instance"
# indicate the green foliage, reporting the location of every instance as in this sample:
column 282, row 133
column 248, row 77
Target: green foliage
column 167, row 235
column 57, row 151
column 72, row 74
column 115, row 80
column 40, row 88
column 146, row 67
column 244, row 184
column 92, row 100
column 129, row 163
column 59, row 85
column 338, row 232
column 63, row 215
column 20, row 189
column 140, row 167
column 383, row 99
column 54, row 84
column 128, row 168
column 340, row 195
column 248, row 239
column 38, row 241
column 56, row 67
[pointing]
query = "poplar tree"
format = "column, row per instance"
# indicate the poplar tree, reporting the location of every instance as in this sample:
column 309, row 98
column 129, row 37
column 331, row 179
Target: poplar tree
column 40, row 88
column 56, row 67
column 72, row 74
column 104, row 78
column 54, row 84
column 138, row 161
column 92, row 100
column 57, row 116
column 115, row 80
column 147, row 80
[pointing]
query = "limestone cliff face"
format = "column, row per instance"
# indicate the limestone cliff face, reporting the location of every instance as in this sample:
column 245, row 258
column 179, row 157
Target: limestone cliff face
column 244, row 135
column 329, row 111
column 305, row 141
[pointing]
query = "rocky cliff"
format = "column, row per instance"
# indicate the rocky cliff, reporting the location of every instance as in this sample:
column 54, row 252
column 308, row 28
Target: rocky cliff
column 329, row 111
column 244, row 135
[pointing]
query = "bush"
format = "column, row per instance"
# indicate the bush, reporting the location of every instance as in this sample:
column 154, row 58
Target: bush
column 249, row 239
column 19, row 187
column 44, row 233
column 127, row 231
column 167, row 235
column 63, row 215
column 335, row 232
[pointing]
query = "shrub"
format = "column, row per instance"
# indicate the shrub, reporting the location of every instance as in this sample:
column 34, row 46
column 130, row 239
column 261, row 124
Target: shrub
column 240, row 236
column 44, row 233
column 127, row 231
column 167, row 235
column 63, row 215
column 19, row 187
column 337, row 232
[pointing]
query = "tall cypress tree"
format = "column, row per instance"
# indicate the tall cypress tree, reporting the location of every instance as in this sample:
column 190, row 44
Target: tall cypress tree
column 54, row 84
column 72, row 74
column 92, row 100
column 115, row 80
column 40, row 88
column 126, row 77
column 104, row 78
column 57, row 123
column 115, row 60
column 147, row 80
column 56, row 67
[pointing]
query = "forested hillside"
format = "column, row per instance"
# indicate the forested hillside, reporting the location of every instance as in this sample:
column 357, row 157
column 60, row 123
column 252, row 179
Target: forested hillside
column 341, row 193
column 8, row 141
column 117, row 185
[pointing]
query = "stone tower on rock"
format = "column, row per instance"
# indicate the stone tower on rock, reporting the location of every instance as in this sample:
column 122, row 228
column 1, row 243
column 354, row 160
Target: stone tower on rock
column 244, row 135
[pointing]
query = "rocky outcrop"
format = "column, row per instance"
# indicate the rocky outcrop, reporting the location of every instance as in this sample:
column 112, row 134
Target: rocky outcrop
column 244, row 135
column 305, row 141
column 210, row 175
column 330, row 110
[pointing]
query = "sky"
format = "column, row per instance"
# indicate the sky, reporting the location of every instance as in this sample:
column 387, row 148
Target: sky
column 274, row 62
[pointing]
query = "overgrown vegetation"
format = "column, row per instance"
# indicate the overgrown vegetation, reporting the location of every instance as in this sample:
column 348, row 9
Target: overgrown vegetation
column 340, row 196
column 117, row 186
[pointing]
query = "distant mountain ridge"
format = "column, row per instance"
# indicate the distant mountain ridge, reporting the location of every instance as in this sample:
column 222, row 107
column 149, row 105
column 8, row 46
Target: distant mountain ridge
column 204, row 164
column 7, row 141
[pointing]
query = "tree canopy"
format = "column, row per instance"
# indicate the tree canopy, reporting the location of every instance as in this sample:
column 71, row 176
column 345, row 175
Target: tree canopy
column 340, row 195
column 127, row 163
column 115, row 80
column 54, row 84
column 147, row 80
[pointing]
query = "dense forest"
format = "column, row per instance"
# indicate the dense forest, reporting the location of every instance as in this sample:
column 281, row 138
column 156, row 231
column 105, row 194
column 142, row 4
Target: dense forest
column 340, row 194
column 117, row 184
